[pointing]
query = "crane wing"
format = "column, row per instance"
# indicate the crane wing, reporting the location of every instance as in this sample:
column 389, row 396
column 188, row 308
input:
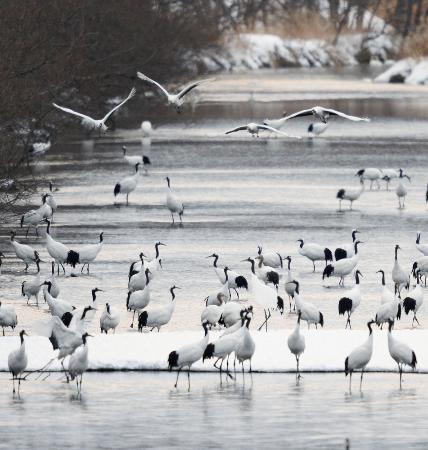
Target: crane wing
column 304, row 112
column 131, row 94
column 60, row 335
column 188, row 88
column 143, row 77
column 244, row 127
column 333, row 112
column 267, row 127
column 70, row 111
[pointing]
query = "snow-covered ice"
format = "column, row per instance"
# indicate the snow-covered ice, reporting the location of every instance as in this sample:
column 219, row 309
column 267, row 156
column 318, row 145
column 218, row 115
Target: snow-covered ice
column 408, row 70
column 326, row 350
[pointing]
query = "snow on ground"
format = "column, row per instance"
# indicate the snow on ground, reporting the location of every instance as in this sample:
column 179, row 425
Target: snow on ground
column 250, row 51
column 408, row 70
column 326, row 350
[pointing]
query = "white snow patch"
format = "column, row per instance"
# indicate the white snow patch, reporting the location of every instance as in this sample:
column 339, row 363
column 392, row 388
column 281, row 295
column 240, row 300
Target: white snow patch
column 419, row 74
column 251, row 51
column 326, row 350
column 402, row 68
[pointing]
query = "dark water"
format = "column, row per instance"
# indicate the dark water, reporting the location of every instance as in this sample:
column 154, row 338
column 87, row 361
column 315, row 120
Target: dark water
column 142, row 410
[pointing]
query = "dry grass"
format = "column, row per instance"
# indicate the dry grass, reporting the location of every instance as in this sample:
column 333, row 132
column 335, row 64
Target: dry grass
column 301, row 25
column 416, row 45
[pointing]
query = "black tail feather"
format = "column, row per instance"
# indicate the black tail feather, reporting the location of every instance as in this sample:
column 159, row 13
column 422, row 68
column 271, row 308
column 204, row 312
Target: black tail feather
column 345, row 305
column 346, row 367
column 241, row 282
column 66, row 318
column 273, row 277
column 340, row 194
column 321, row 319
column 414, row 360
column 399, row 312
column 72, row 258
column 172, row 360
column 328, row 255
column 142, row 320
column 329, row 269
column 116, row 189
column 339, row 254
column 409, row 304
column 209, row 352
column 54, row 342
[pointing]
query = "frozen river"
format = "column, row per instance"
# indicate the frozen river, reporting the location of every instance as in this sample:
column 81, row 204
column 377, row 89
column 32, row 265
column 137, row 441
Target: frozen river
column 238, row 193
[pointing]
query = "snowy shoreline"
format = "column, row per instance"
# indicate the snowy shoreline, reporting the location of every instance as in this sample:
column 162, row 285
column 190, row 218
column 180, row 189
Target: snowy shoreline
column 251, row 51
column 326, row 350
column 409, row 71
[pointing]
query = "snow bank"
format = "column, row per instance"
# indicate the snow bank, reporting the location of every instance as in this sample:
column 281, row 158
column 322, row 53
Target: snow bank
column 408, row 70
column 326, row 350
column 250, row 51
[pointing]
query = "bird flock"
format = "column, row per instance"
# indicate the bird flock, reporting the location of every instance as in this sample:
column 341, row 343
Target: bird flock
column 269, row 278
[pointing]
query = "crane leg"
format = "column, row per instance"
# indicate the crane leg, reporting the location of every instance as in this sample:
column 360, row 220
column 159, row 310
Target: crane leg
column 361, row 379
column 188, row 378
column 13, row 384
column 178, row 374
column 63, row 268
column 81, row 271
column 133, row 317
column 348, row 321
column 172, row 216
column 237, row 293
column 313, row 263
column 416, row 319
column 298, row 376
column 65, row 371
column 350, row 382
column 400, row 370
